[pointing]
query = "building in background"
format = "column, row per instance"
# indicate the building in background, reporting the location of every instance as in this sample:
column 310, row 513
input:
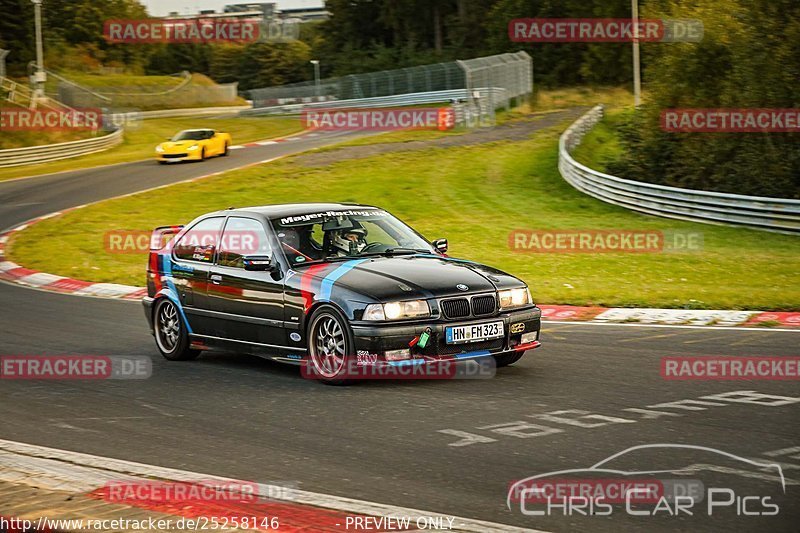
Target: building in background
column 305, row 14
column 262, row 11
column 267, row 9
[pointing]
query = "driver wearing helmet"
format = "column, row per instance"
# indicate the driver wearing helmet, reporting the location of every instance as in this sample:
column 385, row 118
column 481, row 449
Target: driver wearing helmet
column 350, row 241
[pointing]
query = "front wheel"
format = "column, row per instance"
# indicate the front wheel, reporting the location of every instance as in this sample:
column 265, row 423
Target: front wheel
column 172, row 338
column 329, row 343
column 508, row 358
column 203, row 154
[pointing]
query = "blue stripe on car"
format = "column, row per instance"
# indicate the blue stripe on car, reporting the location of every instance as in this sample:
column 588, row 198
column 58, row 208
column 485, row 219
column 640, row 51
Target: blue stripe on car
column 407, row 362
column 172, row 294
column 329, row 280
column 469, row 355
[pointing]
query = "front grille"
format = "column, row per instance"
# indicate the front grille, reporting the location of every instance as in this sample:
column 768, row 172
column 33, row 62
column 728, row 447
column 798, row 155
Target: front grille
column 173, row 156
column 455, row 307
column 483, row 305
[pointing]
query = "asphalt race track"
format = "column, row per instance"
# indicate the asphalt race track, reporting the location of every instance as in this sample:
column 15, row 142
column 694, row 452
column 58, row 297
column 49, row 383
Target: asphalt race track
column 448, row 446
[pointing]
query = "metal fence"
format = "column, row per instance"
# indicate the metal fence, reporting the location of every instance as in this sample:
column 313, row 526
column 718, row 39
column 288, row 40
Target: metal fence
column 488, row 83
column 184, row 94
column 505, row 77
column 775, row 214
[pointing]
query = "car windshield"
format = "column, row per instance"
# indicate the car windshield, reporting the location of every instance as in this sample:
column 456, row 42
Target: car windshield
column 355, row 233
column 192, row 135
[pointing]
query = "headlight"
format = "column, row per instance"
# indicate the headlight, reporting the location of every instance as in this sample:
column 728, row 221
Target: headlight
column 397, row 310
column 193, row 147
column 159, row 149
column 514, row 298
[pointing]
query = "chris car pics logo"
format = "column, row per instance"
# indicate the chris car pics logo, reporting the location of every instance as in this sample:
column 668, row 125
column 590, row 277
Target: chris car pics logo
column 689, row 487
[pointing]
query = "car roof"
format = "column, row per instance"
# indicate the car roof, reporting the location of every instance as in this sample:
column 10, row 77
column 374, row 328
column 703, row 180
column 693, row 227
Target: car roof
column 196, row 129
column 288, row 210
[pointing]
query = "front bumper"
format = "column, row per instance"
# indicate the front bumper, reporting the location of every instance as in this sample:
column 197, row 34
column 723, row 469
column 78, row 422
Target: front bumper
column 178, row 157
column 374, row 339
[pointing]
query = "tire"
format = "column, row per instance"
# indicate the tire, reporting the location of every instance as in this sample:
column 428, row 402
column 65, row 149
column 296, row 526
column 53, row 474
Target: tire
column 225, row 152
column 162, row 162
column 330, row 341
column 507, row 358
column 169, row 329
column 203, row 154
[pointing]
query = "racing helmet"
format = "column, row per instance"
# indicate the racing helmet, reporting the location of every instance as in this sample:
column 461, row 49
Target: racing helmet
column 350, row 241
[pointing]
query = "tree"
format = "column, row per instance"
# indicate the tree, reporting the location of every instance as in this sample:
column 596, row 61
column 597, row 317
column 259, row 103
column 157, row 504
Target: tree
column 749, row 58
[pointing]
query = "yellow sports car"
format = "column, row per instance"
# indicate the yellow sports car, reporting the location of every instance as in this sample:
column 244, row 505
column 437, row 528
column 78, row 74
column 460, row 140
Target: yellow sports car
column 193, row 145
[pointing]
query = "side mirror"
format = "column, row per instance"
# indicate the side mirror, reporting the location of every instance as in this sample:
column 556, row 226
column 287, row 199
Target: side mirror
column 440, row 245
column 260, row 263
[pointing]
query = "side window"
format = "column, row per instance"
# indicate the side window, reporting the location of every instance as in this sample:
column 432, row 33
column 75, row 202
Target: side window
column 200, row 242
column 242, row 237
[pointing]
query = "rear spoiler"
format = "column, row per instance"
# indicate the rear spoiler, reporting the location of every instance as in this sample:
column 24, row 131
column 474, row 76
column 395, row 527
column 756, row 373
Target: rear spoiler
column 158, row 239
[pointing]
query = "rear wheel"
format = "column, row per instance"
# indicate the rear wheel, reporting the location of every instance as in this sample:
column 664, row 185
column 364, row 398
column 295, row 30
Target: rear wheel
column 225, row 152
column 169, row 328
column 329, row 344
column 508, row 358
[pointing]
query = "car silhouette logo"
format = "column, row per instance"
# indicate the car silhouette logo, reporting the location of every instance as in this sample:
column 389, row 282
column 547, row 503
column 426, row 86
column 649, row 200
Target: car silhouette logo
column 462, row 287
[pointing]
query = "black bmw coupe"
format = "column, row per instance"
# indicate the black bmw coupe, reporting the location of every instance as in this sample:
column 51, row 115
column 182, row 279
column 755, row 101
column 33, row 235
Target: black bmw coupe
column 331, row 287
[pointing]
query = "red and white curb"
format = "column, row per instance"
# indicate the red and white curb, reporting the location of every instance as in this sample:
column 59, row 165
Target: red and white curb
column 297, row 510
column 669, row 317
column 297, row 137
column 15, row 273
column 10, row 271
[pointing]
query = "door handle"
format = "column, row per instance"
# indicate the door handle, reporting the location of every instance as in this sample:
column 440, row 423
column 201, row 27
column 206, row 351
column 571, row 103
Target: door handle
column 216, row 279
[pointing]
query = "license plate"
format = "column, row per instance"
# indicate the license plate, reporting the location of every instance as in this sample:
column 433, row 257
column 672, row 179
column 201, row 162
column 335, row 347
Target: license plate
column 474, row 332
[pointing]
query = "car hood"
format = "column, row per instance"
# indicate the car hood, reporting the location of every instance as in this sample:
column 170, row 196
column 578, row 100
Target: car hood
column 178, row 145
column 409, row 277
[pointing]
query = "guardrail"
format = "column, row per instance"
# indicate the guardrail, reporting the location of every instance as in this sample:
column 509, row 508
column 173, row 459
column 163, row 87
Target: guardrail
column 191, row 111
column 398, row 100
column 53, row 152
column 774, row 214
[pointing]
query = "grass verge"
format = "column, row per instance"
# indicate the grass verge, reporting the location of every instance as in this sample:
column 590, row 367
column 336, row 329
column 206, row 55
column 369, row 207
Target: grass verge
column 140, row 142
column 473, row 195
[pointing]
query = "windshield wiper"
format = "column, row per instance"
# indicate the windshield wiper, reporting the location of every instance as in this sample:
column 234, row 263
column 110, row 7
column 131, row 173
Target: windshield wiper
column 399, row 251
